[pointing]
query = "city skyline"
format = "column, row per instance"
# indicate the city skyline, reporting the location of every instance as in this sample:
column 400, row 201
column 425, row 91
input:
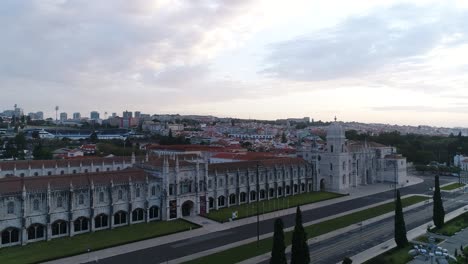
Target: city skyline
column 394, row 62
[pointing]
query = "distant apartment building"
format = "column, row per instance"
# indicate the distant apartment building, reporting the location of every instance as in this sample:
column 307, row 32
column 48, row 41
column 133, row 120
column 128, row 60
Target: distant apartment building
column 137, row 114
column 76, row 116
column 63, row 116
column 94, row 115
column 461, row 161
column 114, row 114
column 36, row 116
column 127, row 114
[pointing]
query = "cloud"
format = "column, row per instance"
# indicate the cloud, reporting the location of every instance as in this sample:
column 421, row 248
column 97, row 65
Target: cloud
column 422, row 108
column 381, row 41
column 72, row 48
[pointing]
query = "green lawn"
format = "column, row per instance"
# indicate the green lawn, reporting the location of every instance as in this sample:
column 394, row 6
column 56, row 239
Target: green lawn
column 452, row 186
column 453, row 226
column 246, row 210
column 250, row 250
column 62, row 247
column 393, row 256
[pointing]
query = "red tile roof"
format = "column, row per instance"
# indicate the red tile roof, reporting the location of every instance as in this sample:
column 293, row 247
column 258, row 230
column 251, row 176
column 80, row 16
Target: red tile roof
column 15, row 184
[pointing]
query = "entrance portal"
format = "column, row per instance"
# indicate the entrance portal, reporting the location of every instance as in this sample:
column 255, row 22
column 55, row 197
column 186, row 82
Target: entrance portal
column 187, row 208
column 322, row 185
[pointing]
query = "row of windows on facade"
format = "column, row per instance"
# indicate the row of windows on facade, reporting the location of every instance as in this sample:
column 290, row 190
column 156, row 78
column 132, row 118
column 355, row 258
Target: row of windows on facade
column 62, row 172
column 81, row 224
column 252, row 179
column 36, row 203
column 253, row 195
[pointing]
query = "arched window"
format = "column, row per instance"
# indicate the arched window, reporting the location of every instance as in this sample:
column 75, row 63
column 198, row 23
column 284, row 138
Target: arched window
column 344, row 178
column 302, row 187
column 62, row 172
column 253, row 195
column 81, row 224
column 86, row 170
column 81, row 199
column 243, row 197
column 231, row 181
column 101, row 197
column 262, row 194
column 211, row 202
column 59, row 201
column 331, row 148
column 10, row 235
column 120, row 218
column 344, row 165
column 101, row 221
column 35, row 231
column 49, row 173
column 295, row 188
column 97, row 169
column 118, row 168
column 280, row 191
column 21, row 174
column 138, row 215
column 59, row 228
column 74, row 171
column 154, row 212
column 138, row 192
column 36, row 174
column 232, row 199
column 11, row 208
column 120, row 195
column 221, row 201
column 107, row 169
column 331, row 166
column 153, row 190
column 36, row 205
column 288, row 189
column 272, row 192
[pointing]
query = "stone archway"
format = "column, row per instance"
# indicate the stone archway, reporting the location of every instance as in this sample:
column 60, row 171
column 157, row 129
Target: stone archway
column 322, row 185
column 187, row 208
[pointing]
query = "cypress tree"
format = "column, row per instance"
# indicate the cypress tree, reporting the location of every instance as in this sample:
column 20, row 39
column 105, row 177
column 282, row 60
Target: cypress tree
column 347, row 260
column 299, row 250
column 438, row 209
column 400, row 227
column 277, row 252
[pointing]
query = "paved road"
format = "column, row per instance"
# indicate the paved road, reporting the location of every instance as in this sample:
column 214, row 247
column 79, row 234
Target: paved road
column 335, row 249
column 162, row 253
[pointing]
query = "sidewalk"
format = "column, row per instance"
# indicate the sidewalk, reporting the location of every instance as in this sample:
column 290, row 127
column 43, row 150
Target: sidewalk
column 412, row 234
column 209, row 226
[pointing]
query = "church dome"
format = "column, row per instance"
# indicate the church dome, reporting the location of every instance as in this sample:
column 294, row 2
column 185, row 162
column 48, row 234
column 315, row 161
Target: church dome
column 335, row 130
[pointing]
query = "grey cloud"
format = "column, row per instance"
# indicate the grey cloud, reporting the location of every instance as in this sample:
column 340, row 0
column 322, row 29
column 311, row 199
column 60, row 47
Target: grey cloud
column 365, row 44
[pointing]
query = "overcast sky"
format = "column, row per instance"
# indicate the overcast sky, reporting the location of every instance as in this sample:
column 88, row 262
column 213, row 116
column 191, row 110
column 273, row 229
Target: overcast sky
column 398, row 62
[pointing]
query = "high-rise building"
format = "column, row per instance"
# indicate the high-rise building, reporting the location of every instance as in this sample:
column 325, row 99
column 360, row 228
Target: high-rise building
column 40, row 115
column 76, row 116
column 114, row 114
column 94, row 115
column 63, row 116
column 127, row 114
column 137, row 114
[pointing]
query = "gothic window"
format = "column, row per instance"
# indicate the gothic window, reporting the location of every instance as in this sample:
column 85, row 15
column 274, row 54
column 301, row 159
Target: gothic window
column 251, row 179
column 10, row 235
column 97, row 169
column 101, row 197
column 344, row 165
column 35, row 231
column 120, row 218
column 344, row 178
column 62, row 172
column 74, row 171
column 253, row 195
column 331, row 166
column 120, row 195
column 242, row 179
column 211, row 202
column 80, row 224
column 262, row 194
column 118, row 168
column 10, row 208
column 101, row 221
column 154, row 212
column 81, row 199
column 210, row 184
column 59, row 228
column 137, row 215
column 36, row 205
column 49, row 173
column 59, row 201
column 243, row 197
column 86, row 170
column 36, row 174
column 171, row 189
column 231, row 181
column 21, row 174
column 220, row 183
column 138, row 192
column 331, row 148
column 342, row 148
column 221, row 201
column 153, row 190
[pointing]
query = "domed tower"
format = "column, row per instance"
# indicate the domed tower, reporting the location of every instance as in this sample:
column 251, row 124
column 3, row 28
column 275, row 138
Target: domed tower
column 336, row 140
column 335, row 161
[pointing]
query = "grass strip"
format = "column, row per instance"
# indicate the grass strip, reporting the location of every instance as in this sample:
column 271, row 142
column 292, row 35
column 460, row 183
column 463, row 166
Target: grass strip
column 69, row 246
column 250, row 250
column 452, row 186
column 453, row 226
column 393, row 256
column 267, row 206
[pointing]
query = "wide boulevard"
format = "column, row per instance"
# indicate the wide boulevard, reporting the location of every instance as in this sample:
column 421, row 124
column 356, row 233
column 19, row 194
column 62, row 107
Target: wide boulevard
column 178, row 249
